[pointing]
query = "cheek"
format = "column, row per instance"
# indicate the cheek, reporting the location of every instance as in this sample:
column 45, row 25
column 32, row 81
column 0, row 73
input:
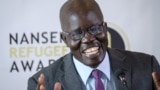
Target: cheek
column 102, row 37
column 74, row 45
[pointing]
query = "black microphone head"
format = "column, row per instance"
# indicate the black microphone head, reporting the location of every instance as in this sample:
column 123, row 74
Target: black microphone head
column 120, row 73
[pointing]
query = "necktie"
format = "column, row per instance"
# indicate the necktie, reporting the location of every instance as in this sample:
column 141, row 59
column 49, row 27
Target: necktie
column 98, row 82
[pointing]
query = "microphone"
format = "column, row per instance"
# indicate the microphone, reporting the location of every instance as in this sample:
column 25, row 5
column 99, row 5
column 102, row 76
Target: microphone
column 120, row 74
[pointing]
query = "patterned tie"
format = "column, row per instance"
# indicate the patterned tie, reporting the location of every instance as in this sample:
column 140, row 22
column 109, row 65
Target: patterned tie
column 98, row 83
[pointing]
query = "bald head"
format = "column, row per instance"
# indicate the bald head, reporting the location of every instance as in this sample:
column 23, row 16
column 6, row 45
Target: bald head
column 74, row 10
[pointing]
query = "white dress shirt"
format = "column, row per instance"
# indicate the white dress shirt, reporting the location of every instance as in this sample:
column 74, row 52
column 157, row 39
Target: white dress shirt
column 85, row 71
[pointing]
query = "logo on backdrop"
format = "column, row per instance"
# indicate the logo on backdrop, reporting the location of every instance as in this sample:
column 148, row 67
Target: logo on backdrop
column 116, row 37
column 32, row 51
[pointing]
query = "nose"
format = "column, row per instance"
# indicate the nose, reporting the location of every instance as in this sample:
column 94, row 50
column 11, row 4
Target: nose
column 88, row 38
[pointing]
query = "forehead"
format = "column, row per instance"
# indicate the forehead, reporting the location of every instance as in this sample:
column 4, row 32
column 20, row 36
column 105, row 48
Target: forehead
column 81, row 20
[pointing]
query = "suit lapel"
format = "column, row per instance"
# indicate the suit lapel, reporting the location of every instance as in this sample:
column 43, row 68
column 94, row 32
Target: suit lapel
column 67, row 75
column 119, row 61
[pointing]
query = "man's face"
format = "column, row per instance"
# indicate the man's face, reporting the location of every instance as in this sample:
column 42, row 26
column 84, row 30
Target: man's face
column 88, row 48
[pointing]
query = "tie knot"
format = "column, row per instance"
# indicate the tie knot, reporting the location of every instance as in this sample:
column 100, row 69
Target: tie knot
column 96, row 74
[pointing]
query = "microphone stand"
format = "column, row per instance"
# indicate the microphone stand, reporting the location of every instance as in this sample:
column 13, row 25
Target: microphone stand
column 123, row 80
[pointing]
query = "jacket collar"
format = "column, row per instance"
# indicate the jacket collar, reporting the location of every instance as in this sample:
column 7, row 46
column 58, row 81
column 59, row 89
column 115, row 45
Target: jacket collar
column 68, row 76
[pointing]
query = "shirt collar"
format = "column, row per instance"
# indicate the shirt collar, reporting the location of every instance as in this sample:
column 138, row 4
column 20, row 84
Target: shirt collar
column 85, row 71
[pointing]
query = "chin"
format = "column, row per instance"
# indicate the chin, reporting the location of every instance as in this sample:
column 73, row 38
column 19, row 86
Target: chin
column 93, row 63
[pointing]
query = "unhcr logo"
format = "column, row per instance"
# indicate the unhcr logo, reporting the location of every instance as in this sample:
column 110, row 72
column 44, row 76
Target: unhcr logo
column 116, row 37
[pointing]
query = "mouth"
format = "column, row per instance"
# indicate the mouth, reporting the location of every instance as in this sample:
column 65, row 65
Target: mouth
column 91, row 51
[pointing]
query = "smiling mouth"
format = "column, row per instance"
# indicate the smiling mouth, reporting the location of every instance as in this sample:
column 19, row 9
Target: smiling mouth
column 91, row 51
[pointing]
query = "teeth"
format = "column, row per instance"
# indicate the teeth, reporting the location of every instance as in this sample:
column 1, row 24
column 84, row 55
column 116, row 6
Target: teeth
column 92, row 50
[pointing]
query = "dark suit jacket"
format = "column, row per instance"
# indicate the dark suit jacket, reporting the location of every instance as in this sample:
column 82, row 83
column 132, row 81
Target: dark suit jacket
column 138, row 68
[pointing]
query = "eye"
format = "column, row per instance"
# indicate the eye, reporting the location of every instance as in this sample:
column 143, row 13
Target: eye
column 95, row 30
column 78, row 31
column 76, row 35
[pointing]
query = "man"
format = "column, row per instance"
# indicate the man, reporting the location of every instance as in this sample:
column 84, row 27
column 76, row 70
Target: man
column 84, row 32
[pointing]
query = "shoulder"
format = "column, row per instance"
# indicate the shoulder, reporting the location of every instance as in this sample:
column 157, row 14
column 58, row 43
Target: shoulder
column 132, row 56
column 51, row 70
column 129, row 53
column 136, row 59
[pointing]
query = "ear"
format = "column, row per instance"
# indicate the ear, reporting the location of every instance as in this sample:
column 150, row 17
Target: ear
column 64, row 38
column 105, row 26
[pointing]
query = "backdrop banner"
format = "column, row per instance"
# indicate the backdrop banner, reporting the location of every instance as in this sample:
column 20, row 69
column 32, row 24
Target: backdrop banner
column 30, row 31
